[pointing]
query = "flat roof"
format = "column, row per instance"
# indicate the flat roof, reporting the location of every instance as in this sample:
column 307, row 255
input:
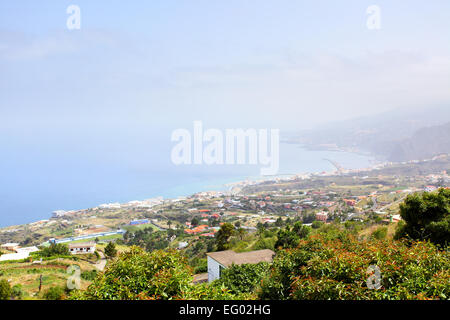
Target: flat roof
column 10, row 244
column 82, row 245
column 229, row 257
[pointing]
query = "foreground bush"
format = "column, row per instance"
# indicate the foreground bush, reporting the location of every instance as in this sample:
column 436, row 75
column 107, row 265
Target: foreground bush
column 54, row 293
column 427, row 217
column 5, row 290
column 325, row 268
column 140, row 275
column 243, row 278
column 137, row 274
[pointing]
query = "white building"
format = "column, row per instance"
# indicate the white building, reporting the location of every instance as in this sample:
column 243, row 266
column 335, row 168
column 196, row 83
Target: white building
column 59, row 213
column 82, row 248
column 10, row 246
column 21, row 253
column 114, row 205
column 217, row 261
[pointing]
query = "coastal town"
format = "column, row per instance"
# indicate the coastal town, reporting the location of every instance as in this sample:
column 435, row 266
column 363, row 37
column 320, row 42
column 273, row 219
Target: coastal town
column 370, row 197
column 326, row 196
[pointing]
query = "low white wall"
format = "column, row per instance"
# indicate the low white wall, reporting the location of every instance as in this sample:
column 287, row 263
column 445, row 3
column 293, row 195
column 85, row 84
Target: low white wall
column 213, row 269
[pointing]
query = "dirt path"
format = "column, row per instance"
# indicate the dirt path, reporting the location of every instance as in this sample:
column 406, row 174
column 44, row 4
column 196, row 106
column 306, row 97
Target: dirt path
column 102, row 263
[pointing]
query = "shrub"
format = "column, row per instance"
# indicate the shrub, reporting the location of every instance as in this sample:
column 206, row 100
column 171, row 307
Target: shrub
column 54, row 293
column 55, row 249
column 205, row 291
column 5, row 290
column 243, row 278
column 316, row 224
column 137, row 274
column 286, row 239
column 380, row 233
column 265, row 243
column 17, row 291
column 326, row 268
column 89, row 275
column 201, row 266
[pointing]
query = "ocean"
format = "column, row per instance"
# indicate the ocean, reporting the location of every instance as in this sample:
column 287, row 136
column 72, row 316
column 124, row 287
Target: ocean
column 39, row 179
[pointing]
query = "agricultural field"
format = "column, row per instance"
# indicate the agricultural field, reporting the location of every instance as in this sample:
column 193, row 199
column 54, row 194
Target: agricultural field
column 28, row 276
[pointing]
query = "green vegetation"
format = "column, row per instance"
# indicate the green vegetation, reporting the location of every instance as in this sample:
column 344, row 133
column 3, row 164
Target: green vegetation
column 5, row 290
column 54, row 293
column 53, row 250
column 335, row 267
column 110, row 250
column 288, row 238
column 140, row 275
column 17, row 291
column 223, row 236
column 243, row 278
column 89, row 275
column 380, row 233
column 427, row 217
column 327, row 260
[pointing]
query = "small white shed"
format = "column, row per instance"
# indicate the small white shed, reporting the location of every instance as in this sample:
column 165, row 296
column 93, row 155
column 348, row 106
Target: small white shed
column 217, row 261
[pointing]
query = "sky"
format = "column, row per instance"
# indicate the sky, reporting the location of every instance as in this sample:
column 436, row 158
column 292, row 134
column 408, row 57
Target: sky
column 76, row 104
column 163, row 64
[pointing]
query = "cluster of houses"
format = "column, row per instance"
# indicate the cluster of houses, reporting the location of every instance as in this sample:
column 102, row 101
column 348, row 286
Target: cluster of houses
column 202, row 230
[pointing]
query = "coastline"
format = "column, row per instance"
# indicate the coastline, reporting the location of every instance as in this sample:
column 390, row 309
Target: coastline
column 230, row 185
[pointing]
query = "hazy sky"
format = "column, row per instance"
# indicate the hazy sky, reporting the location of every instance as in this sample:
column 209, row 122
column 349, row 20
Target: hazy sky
column 234, row 63
column 86, row 115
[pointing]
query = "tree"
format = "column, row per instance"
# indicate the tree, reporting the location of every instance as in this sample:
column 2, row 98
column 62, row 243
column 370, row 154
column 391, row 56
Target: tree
column 5, row 290
column 279, row 222
column 241, row 232
column 286, row 239
column 301, row 230
column 316, row 224
column 54, row 249
column 195, row 221
column 223, row 236
column 427, row 217
column 260, row 228
column 110, row 250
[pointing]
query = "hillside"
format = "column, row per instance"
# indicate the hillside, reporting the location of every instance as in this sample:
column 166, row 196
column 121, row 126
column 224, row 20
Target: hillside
column 424, row 144
column 398, row 135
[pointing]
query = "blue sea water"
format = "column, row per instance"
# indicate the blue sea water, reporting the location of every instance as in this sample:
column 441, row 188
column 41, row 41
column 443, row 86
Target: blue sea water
column 38, row 178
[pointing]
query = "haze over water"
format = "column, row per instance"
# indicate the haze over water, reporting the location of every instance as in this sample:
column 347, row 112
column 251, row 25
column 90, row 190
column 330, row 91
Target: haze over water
column 33, row 186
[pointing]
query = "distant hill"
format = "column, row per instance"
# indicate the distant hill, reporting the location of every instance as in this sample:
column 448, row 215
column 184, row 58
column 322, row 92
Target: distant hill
column 399, row 135
column 424, row 144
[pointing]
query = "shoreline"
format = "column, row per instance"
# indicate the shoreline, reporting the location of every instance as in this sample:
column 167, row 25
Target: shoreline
column 227, row 187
